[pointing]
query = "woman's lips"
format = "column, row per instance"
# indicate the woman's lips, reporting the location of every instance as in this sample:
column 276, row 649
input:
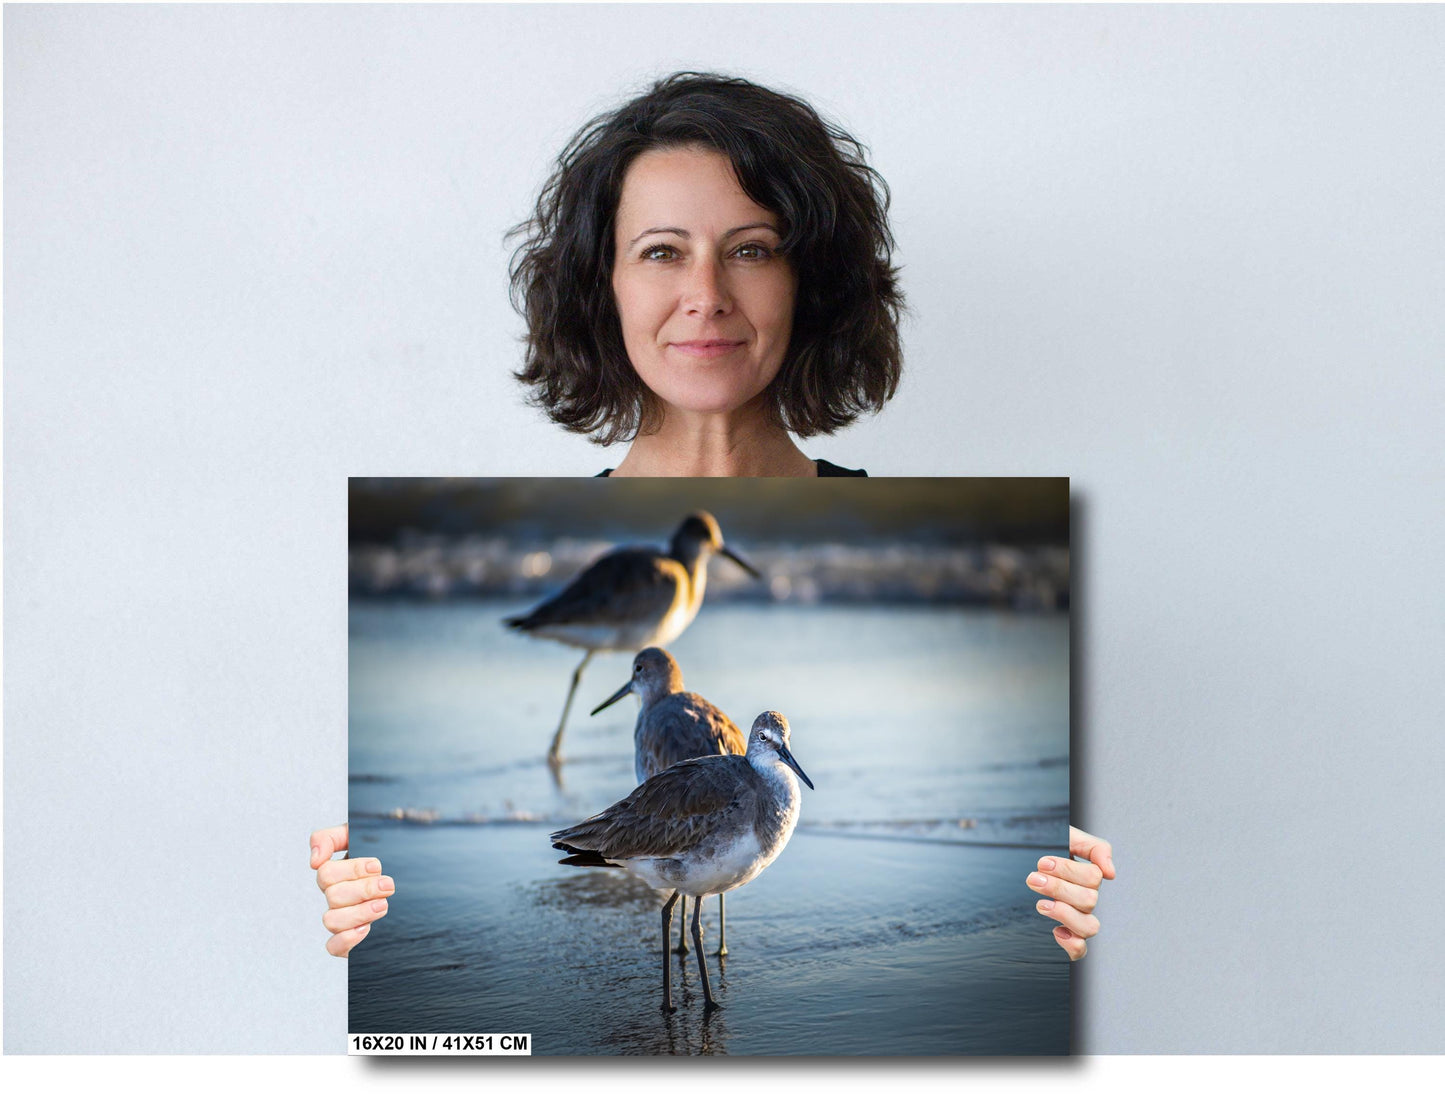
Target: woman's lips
column 707, row 348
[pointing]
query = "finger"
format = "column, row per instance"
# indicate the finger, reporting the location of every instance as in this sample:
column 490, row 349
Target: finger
column 1075, row 871
column 1093, row 849
column 326, row 842
column 1085, row 925
column 342, row 943
column 336, row 870
column 1075, row 946
column 349, row 917
column 1080, row 898
column 349, row 892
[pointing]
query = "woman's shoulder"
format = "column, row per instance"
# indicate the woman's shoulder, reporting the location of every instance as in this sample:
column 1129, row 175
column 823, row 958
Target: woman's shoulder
column 825, row 470
column 832, row 470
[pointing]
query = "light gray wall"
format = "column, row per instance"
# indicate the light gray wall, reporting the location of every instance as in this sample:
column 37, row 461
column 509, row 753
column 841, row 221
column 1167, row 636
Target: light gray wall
column 1192, row 257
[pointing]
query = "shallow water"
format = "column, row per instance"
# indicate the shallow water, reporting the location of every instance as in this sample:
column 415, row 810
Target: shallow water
column 896, row 921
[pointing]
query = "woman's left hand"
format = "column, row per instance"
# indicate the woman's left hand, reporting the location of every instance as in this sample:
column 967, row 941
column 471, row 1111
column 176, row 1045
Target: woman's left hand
column 1073, row 889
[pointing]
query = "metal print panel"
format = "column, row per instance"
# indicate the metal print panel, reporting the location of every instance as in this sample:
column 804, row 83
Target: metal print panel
column 849, row 734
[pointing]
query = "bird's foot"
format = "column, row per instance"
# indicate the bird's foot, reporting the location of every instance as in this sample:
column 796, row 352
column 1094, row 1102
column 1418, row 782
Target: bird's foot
column 668, row 1008
column 722, row 952
column 681, row 950
column 711, row 1006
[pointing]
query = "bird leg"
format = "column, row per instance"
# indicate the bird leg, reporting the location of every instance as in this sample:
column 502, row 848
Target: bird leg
column 707, row 1001
column 681, row 949
column 722, row 927
column 667, row 954
column 554, row 755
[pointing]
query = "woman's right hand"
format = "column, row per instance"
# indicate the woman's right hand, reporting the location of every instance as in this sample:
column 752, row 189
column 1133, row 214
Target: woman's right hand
column 356, row 890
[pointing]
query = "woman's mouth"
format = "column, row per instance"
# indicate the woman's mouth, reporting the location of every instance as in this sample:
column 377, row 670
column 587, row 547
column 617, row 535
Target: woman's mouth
column 706, row 347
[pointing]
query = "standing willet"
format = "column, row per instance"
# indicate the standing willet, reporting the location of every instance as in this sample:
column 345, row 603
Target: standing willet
column 630, row 598
column 704, row 826
column 673, row 725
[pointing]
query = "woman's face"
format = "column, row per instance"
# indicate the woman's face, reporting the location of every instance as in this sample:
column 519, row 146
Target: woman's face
column 705, row 300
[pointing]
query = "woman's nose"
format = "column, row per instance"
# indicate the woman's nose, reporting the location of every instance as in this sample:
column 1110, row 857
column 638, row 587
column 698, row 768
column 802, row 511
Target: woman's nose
column 707, row 291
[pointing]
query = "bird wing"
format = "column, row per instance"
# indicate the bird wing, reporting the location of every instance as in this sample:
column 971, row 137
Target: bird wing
column 621, row 587
column 731, row 739
column 670, row 812
column 684, row 725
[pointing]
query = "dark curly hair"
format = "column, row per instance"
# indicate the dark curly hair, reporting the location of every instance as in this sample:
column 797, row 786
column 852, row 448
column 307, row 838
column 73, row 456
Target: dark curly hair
column 844, row 355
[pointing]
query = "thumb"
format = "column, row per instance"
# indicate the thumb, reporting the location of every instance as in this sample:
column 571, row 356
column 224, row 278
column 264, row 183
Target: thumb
column 1096, row 851
column 326, row 842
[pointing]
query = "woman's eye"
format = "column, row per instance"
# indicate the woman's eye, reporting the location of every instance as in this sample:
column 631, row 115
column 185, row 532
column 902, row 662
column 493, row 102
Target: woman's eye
column 659, row 253
column 753, row 252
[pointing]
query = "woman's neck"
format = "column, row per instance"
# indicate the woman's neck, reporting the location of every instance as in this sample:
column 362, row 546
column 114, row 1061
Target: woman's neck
column 744, row 444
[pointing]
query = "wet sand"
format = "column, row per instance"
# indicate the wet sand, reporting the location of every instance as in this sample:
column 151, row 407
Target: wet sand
column 844, row 946
column 895, row 922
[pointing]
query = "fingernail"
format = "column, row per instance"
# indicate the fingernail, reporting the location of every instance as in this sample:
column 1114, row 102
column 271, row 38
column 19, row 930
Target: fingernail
column 1046, row 904
column 1046, row 864
column 315, row 854
column 386, row 884
column 1038, row 880
column 1062, row 933
column 379, row 906
column 373, row 866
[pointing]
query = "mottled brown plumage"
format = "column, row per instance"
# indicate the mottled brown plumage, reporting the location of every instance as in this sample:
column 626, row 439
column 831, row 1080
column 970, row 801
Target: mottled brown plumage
column 672, row 812
column 630, row 598
column 626, row 592
column 673, row 725
column 701, row 827
column 701, row 806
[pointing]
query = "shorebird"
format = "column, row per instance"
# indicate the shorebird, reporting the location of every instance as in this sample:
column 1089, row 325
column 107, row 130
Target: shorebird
column 701, row 827
column 630, row 598
column 673, row 725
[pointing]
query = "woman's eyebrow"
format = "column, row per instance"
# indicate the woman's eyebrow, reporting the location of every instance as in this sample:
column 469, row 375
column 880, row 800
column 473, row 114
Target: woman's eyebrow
column 752, row 225
column 682, row 233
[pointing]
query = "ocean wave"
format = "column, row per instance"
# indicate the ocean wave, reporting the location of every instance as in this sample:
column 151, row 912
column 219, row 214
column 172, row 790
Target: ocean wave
column 432, row 567
column 1029, row 829
column 1032, row 764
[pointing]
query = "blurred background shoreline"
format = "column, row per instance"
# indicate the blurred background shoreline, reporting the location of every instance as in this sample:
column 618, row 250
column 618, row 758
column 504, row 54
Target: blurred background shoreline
column 1000, row 543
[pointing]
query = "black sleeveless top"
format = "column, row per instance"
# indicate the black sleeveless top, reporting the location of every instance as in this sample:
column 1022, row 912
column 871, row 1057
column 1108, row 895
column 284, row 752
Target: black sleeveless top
column 825, row 470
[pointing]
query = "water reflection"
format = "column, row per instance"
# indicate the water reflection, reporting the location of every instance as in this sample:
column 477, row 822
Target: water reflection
column 686, row 1031
column 591, row 889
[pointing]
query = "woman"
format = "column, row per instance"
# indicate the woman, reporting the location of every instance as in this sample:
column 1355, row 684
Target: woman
column 706, row 275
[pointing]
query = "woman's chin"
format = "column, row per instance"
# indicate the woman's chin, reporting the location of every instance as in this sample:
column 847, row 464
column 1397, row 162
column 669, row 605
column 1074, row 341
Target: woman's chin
column 693, row 402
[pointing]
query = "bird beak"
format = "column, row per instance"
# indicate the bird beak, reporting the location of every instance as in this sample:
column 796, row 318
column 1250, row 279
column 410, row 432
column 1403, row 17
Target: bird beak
column 616, row 696
column 740, row 562
column 787, row 757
